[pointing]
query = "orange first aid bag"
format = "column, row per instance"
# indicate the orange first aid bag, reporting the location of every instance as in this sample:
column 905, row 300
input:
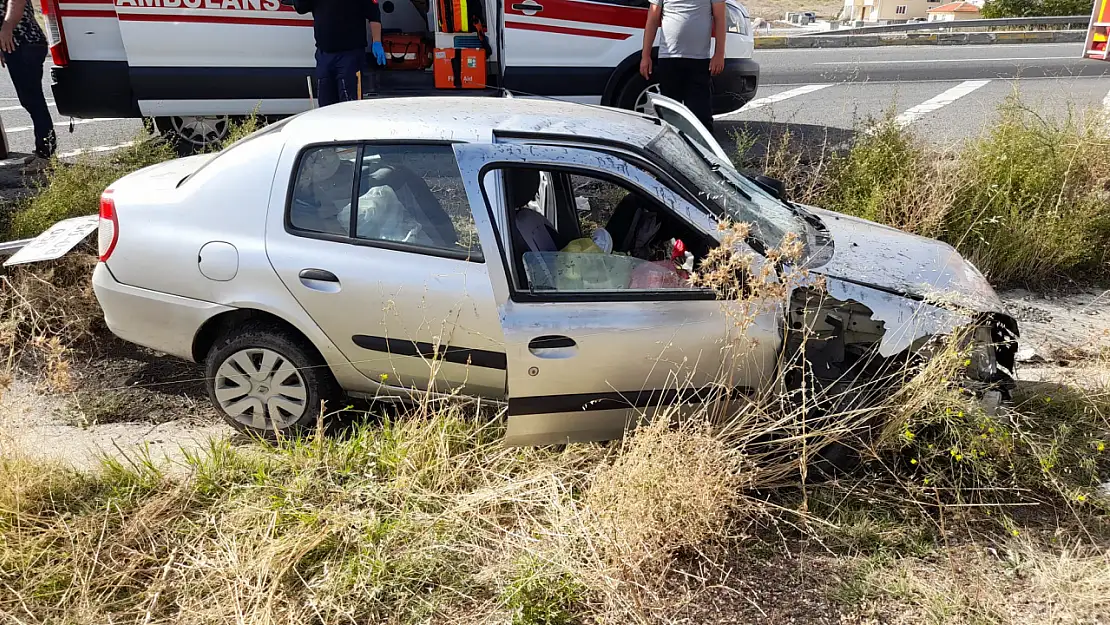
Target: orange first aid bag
column 460, row 68
column 405, row 51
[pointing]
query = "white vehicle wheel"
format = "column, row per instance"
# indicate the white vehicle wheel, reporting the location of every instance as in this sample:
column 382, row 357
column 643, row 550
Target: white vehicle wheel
column 633, row 92
column 264, row 382
column 261, row 389
column 195, row 133
column 641, row 105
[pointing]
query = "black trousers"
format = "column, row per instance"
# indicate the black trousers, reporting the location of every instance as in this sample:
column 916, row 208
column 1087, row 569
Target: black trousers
column 338, row 75
column 25, row 68
column 689, row 82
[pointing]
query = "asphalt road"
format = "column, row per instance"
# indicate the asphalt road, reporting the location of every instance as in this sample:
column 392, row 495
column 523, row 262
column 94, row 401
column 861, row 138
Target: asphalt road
column 925, row 63
column 947, row 92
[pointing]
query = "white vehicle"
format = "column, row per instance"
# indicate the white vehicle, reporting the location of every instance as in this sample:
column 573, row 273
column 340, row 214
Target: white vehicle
column 343, row 252
column 193, row 64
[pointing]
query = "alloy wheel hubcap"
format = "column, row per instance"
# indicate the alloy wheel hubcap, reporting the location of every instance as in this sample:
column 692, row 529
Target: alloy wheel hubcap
column 642, row 99
column 261, row 389
column 201, row 131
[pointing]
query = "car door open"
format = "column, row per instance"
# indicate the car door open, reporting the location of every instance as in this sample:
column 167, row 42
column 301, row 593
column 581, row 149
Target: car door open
column 596, row 340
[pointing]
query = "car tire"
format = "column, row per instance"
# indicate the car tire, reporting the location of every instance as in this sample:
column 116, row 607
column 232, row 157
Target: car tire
column 265, row 383
column 632, row 90
column 195, row 134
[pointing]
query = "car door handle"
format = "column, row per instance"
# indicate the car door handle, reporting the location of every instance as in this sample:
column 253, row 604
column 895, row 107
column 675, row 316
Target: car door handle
column 320, row 275
column 320, row 280
column 549, row 346
column 528, row 5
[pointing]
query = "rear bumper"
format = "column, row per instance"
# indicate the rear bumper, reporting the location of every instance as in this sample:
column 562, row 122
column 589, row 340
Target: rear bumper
column 735, row 86
column 162, row 322
column 94, row 89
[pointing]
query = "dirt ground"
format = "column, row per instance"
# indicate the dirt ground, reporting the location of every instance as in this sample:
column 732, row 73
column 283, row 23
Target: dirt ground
column 128, row 399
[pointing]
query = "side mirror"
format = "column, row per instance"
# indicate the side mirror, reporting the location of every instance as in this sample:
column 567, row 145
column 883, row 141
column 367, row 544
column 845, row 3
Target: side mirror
column 773, row 186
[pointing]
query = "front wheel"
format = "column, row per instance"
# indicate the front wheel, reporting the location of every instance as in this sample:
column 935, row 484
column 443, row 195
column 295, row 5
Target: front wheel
column 266, row 383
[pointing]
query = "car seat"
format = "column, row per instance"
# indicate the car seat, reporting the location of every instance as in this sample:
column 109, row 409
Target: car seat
column 425, row 208
column 633, row 227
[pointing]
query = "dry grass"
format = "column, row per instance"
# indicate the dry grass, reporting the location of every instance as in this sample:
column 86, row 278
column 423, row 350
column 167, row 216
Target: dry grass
column 46, row 311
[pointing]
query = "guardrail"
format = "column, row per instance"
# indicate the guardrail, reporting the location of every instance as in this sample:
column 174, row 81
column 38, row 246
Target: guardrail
column 1078, row 20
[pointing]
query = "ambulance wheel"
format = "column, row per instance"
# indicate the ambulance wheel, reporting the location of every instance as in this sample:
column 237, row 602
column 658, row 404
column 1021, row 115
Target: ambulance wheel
column 634, row 93
column 195, row 134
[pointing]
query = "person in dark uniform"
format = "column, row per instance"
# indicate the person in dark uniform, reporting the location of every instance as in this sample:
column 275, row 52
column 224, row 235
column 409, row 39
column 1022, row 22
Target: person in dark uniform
column 340, row 29
column 23, row 52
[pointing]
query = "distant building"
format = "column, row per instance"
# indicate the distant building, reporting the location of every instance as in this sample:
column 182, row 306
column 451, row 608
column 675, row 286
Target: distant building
column 954, row 11
column 887, row 11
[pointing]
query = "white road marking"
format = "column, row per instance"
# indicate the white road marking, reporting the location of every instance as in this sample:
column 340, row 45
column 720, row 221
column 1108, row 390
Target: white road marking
column 76, row 122
column 20, row 108
column 778, row 97
column 97, row 149
column 939, row 101
column 932, row 80
column 908, row 61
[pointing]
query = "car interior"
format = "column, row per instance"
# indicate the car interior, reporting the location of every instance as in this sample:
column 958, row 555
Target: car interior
column 395, row 203
column 574, row 231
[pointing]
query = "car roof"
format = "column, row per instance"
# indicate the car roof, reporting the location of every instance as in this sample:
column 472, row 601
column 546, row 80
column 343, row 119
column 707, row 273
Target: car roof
column 468, row 119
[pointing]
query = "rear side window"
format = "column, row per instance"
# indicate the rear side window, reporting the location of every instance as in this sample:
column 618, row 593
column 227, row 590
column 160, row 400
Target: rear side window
column 407, row 197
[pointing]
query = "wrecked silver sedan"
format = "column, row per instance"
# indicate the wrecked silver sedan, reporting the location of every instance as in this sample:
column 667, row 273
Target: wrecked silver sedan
column 528, row 251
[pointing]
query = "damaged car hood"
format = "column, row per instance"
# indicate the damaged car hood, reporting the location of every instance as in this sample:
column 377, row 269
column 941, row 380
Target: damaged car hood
column 882, row 257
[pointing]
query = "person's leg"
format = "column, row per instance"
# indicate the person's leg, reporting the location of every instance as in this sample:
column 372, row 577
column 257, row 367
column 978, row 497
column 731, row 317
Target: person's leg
column 698, row 95
column 25, row 67
column 348, row 73
column 669, row 74
column 326, row 87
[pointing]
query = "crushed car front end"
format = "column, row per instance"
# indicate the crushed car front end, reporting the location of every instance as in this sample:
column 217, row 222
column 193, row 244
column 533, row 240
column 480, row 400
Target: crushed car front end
column 886, row 295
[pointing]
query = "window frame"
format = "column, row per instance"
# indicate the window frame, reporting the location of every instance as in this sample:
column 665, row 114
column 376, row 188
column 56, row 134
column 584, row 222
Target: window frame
column 350, row 238
column 600, row 296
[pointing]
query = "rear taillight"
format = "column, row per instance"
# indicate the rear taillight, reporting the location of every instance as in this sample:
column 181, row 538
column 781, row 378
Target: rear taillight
column 108, row 233
column 56, row 37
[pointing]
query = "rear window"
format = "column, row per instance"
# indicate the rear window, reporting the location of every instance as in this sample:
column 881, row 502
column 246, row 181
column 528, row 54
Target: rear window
column 265, row 130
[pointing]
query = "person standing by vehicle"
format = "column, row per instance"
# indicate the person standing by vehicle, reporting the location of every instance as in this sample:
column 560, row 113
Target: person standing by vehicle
column 686, row 67
column 23, row 52
column 340, row 30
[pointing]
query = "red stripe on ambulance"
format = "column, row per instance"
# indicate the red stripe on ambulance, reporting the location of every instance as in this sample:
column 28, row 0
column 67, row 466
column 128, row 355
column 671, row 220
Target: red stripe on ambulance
column 562, row 30
column 585, row 12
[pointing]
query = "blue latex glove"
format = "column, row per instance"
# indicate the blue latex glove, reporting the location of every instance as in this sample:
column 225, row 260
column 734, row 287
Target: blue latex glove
column 379, row 53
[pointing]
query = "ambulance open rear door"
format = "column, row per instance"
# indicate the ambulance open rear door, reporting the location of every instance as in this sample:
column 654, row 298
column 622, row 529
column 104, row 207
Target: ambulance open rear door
column 1097, row 34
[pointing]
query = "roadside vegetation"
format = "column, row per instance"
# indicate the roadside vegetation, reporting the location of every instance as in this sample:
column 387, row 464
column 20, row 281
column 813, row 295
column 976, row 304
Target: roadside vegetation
column 1035, row 8
column 420, row 515
column 1028, row 202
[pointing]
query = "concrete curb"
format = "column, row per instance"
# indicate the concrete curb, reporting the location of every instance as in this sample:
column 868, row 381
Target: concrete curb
column 920, row 39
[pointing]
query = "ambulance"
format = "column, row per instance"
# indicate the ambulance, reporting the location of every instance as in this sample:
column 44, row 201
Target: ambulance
column 195, row 65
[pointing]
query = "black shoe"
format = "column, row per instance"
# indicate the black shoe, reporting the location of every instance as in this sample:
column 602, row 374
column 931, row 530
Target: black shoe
column 47, row 147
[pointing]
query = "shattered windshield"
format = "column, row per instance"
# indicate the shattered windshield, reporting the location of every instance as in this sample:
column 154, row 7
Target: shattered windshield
column 734, row 197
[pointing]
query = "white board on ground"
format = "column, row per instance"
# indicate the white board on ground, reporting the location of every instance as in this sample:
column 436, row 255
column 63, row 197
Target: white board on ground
column 56, row 242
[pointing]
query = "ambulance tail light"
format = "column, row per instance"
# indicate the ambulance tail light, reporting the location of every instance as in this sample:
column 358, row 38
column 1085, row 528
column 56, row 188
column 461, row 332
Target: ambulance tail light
column 56, row 37
column 108, row 233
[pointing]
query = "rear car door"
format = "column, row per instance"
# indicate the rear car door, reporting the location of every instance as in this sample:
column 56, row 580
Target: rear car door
column 568, row 48
column 595, row 341
column 399, row 284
